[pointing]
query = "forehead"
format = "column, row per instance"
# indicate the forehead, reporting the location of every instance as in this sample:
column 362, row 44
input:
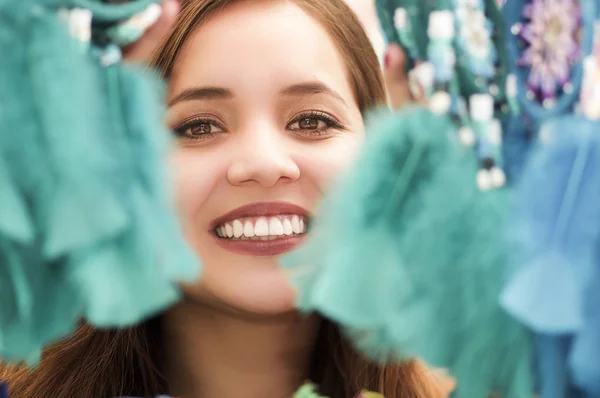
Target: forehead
column 259, row 45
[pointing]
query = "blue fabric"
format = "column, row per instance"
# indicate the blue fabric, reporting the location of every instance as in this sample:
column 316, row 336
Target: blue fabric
column 584, row 359
column 555, row 289
column 552, row 352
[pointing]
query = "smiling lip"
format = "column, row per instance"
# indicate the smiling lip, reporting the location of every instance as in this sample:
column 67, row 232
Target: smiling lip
column 273, row 247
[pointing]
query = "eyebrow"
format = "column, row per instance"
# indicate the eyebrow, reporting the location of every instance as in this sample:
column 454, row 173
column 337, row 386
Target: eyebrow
column 219, row 93
column 202, row 93
column 311, row 88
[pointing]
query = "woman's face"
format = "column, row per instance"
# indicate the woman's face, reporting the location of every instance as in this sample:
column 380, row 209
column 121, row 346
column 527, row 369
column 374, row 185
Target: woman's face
column 266, row 116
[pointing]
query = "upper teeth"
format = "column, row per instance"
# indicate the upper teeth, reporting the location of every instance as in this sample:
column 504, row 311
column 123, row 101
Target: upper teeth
column 262, row 227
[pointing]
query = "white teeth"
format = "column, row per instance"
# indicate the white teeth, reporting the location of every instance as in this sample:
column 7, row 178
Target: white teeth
column 262, row 227
column 229, row 230
column 238, row 229
column 275, row 227
column 287, row 227
column 248, row 229
column 296, row 224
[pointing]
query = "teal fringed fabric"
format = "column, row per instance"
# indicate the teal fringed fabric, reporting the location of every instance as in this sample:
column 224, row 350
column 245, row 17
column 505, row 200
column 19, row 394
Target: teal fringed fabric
column 408, row 255
column 87, row 226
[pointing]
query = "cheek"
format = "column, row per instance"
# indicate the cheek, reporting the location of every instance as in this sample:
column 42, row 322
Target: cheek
column 325, row 161
column 194, row 175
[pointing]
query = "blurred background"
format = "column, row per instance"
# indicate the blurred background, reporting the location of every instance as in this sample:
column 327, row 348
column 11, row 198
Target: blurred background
column 365, row 9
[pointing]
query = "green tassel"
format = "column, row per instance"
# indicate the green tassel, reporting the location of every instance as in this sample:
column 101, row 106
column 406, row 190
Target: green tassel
column 408, row 255
column 143, row 111
column 14, row 218
column 55, row 313
column 91, row 231
column 70, row 127
column 119, row 289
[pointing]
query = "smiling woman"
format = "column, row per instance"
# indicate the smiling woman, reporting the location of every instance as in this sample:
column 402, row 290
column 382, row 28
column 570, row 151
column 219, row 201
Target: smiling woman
column 266, row 99
column 274, row 117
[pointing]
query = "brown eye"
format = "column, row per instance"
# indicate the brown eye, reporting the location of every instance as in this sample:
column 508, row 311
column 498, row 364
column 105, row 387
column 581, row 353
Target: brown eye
column 308, row 123
column 198, row 129
column 314, row 122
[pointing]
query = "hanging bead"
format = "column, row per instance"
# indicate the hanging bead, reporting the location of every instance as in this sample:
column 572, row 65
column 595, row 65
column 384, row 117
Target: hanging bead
column 516, row 28
column 79, row 21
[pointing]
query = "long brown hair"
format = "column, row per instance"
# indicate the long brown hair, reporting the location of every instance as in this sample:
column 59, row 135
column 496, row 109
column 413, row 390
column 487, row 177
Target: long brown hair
column 101, row 364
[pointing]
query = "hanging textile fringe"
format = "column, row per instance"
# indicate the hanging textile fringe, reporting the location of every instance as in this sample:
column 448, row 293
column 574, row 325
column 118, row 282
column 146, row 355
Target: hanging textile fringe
column 87, row 224
column 407, row 255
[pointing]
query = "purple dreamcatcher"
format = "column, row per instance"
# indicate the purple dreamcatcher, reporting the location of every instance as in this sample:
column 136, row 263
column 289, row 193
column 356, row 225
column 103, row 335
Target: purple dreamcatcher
column 551, row 35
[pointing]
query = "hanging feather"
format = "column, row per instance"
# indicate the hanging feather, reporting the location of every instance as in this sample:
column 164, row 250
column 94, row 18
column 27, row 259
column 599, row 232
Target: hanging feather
column 88, row 228
column 555, row 248
column 27, row 167
column 60, row 108
column 143, row 109
column 141, row 269
column 554, row 227
column 551, row 353
column 407, row 254
column 584, row 358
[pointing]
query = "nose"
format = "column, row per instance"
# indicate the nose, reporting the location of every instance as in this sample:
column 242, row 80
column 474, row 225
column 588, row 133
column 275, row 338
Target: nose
column 262, row 156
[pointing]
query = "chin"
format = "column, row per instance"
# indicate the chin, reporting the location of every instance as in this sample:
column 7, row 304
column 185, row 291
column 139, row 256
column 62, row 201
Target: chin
column 251, row 291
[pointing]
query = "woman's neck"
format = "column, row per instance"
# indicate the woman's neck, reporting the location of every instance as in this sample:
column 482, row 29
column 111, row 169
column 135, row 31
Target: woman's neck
column 213, row 353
